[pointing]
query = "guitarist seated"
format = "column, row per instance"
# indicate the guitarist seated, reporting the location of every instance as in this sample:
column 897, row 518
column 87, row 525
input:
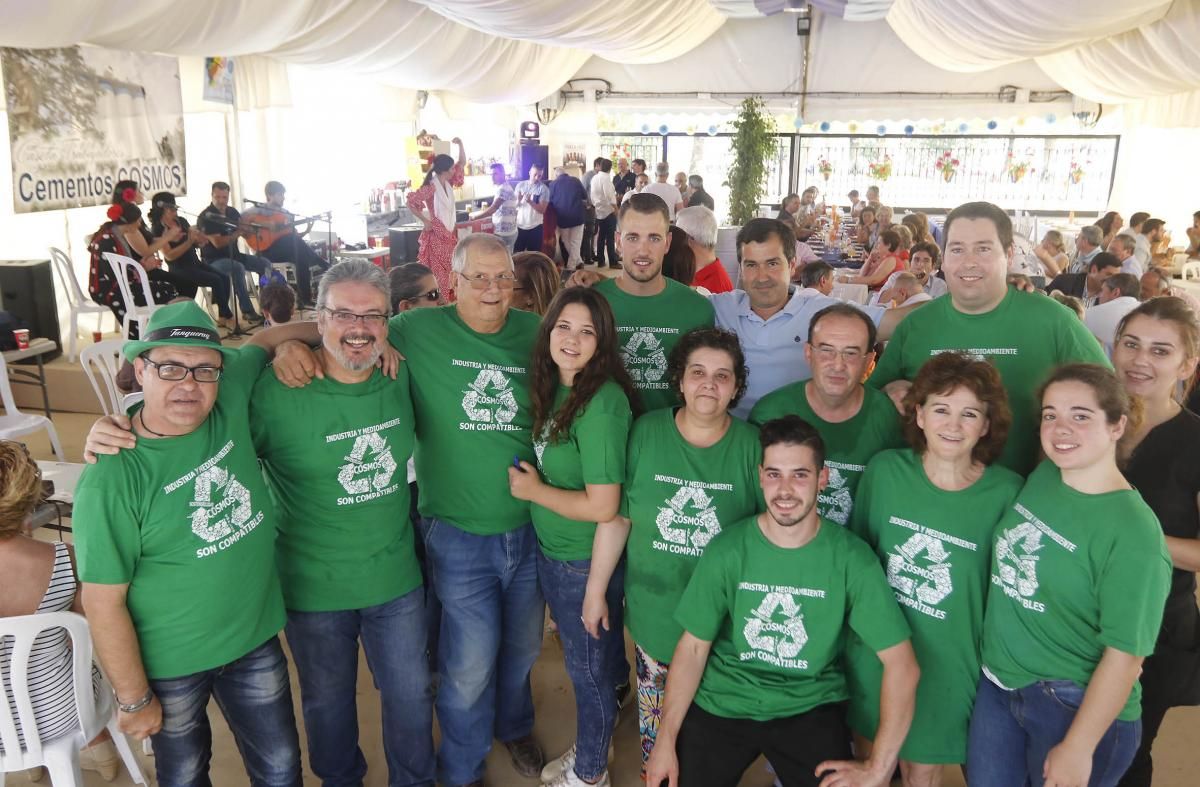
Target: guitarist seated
column 283, row 239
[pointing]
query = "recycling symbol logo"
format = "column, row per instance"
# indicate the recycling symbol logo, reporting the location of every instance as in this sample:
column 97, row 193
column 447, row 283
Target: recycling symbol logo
column 644, row 358
column 369, row 465
column 1016, row 556
column 490, row 399
column 919, row 569
column 222, row 504
column 776, row 626
column 835, row 498
column 688, row 516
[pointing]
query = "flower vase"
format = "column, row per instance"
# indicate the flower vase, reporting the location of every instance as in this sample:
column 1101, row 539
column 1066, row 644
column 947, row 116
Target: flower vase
column 1076, row 177
column 947, row 176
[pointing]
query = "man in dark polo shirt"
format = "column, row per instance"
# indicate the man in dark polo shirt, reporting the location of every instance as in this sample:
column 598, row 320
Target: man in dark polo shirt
column 623, row 180
column 699, row 195
column 569, row 199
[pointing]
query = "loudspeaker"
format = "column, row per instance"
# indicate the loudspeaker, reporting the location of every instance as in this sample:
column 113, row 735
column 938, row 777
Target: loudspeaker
column 27, row 292
column 530, row 155
column 402, row 242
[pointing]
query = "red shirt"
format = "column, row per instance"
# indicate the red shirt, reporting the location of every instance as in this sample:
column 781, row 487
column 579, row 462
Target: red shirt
column 713, row 278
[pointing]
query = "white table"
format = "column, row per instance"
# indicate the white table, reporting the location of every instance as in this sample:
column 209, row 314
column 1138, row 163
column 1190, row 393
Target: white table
column 852, row 293
column 65, row 476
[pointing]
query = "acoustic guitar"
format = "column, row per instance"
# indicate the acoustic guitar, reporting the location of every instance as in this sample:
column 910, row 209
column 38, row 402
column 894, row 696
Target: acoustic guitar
column 263, row 226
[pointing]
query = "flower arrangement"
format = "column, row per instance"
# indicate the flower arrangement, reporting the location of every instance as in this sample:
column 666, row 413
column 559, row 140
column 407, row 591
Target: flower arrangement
column 825, row 167
column 948, row 165
column 880, row 170
column 1017, row 168
column 1076, row 172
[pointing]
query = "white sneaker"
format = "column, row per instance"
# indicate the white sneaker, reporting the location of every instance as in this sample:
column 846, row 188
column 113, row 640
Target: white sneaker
column 565, row 764
column 569, row 779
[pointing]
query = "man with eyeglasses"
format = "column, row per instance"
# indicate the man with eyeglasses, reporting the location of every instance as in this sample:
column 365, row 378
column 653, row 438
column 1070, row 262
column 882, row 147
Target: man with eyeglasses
column 175, row 543
column 854, row 422
column 468, row 376
column 334, row 453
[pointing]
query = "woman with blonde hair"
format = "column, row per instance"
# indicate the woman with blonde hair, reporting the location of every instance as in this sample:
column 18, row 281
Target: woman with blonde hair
column 38, row 577
column 1155, row 355
column 538, row 281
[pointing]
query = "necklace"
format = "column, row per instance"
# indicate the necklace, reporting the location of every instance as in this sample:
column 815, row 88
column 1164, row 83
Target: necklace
column 142, row 416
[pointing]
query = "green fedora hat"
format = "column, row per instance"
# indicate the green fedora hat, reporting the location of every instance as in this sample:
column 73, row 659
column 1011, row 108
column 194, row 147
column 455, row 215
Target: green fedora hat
column 182, row 324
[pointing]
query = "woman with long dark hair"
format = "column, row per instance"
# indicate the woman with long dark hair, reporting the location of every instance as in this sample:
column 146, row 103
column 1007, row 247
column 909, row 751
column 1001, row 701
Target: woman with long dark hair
column 1079, row 575
column 433, row 204
column 1155, row 354
column 581, row 398
column 184, row 261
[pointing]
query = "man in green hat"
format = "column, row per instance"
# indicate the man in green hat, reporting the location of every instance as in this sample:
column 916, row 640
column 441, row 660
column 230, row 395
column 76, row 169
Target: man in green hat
column 175, row 544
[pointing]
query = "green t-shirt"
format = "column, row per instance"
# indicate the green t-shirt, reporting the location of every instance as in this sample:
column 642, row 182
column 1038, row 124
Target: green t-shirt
column 593, row 452
column 1026, row 336
column 1073, row 574
column 470, row 394
column 777, row 619
column 678, row 497
column 187, row 522
column 336, row 456
column 936, row 548
column 648, row 328
column 849, row 445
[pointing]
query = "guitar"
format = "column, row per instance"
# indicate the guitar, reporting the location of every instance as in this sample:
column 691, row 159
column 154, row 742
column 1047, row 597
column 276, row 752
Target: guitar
column 263, row 226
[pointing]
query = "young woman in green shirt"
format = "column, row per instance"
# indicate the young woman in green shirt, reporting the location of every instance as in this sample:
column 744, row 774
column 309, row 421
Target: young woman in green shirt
column 1080, row 573
column 581, row 417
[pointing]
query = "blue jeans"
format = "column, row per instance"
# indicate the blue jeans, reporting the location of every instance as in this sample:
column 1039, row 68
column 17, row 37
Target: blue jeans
column 232, row 269
column 492, row 615
column 592, row 664
column 1013, row 731
column 325, row 648
column 254, row 694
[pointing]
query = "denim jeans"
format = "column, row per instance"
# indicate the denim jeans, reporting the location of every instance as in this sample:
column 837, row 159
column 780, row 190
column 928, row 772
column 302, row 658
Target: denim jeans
column 325, row 648
column 231, row 269
column 492, row 617
column 1013, row 731
column 592, row 664
column 255, row 696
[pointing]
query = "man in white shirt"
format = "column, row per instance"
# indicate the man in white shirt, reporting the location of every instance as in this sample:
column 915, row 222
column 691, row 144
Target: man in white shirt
column 532, row 198
column 664, row 190
column 641, row 182
column 906, row 291
column 1118, row 297
column 604, row 197
column 503, row 207
column 1150, row 236
column 1124, row 247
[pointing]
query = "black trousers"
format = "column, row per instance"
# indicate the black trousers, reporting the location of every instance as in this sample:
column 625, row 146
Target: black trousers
column 1170, row 678
column 606, row 238
column 714, row 751
column 587, row 249
column 292, row 248
column 529, row 240
column 190, row 276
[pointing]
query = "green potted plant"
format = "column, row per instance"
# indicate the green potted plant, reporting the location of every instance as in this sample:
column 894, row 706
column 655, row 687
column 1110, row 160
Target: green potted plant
column 753, row 142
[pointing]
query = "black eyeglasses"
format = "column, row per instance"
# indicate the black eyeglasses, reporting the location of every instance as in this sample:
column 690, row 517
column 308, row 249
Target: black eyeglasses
column 434, row 295
column 174, row 372
column 350, row 318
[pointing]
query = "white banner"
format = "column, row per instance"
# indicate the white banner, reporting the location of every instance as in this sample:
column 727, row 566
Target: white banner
column 82, row 118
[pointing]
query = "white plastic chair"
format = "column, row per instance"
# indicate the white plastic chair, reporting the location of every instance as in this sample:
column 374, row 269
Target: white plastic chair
column 101, row 362
column 15, row 423
column 60, row 756
column 122, row 267
column 79, row 302
column 1191, row 269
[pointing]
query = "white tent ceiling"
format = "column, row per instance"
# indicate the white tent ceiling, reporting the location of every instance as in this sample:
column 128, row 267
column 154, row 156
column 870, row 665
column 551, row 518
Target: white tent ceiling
column 517, row 51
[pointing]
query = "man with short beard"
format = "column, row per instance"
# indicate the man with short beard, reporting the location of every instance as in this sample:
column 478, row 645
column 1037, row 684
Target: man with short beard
column 651, row 311
column 758, row 668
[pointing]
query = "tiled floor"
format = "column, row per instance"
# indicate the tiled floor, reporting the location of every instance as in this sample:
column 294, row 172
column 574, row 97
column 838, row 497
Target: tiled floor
column 1178, row 756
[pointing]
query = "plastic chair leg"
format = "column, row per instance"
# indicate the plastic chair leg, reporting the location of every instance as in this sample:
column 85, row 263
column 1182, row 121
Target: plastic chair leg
column 74, row 337
column 127, row 756
column 62, row 763
column 55, row 445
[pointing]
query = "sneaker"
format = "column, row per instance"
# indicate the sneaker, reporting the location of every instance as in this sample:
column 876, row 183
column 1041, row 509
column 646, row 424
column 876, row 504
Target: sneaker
column 253, row 319
column 527, row 757
column 566, row 764
column 569, row 779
